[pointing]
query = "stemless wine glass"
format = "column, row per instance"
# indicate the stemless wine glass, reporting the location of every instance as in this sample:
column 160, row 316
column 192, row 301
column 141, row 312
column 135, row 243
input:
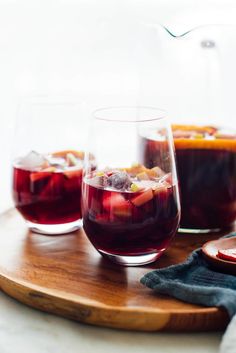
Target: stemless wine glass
column 130, row 212
column 47, row 164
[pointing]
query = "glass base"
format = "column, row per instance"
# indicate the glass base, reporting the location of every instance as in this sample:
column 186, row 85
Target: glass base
column 54, row 229
column 198, row 231
column 138, row 260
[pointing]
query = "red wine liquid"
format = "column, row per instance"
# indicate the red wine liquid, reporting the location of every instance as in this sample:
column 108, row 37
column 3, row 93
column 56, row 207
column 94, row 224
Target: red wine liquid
column 48, row 197
column 115, row 225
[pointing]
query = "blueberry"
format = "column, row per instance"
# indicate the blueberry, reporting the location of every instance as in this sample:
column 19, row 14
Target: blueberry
column 119, row 180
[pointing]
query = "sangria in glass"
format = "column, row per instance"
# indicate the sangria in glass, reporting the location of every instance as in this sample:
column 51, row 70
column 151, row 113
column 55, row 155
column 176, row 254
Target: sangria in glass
column 130, row 212
column 47, row 165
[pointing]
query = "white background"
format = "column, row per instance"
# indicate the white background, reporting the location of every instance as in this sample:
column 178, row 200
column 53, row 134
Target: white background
column 73, row 48
column 46, row 48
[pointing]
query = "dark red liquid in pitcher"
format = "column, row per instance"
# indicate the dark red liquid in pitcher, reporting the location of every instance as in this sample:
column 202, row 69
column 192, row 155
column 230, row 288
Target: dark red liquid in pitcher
column 206, row 165
column 208, row 187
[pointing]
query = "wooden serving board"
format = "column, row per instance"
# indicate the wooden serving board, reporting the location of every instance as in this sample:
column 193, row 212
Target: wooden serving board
column 64, row 275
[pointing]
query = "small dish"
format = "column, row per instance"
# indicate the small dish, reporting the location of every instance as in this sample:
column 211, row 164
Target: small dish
column 210, row 251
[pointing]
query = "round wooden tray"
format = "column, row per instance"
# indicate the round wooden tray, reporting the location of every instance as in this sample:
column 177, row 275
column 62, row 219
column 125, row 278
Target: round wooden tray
column 64, row 275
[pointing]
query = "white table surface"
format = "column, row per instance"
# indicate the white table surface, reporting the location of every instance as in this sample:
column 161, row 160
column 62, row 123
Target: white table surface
column 25, row 27
column 23, row 329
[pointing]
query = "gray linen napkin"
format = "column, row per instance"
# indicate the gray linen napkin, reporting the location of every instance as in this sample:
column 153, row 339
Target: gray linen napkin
column 194, row 282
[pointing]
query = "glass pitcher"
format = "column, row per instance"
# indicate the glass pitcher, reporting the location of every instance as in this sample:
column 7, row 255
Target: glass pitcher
column 191, row 76
column 195, row 75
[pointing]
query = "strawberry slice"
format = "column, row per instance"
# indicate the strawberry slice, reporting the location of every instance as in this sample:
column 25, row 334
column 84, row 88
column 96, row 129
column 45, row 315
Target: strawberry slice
column 227, row 254
column 142, row 198
column 116, row 204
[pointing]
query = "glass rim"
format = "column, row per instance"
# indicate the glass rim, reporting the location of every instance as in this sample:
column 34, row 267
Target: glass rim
column 112, row 114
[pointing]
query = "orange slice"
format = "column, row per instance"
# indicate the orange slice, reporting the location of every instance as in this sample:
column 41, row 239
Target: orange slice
column 194, row 128
column 77, row 154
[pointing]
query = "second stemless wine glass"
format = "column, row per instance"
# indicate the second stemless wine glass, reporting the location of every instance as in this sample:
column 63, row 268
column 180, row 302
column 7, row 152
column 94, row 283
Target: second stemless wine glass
column 47, row 164
column 130, row 212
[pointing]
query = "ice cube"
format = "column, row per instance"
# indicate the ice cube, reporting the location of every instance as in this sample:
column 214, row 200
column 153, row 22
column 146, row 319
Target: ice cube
column 32, row 160
column 166, row 178
column 146, row 184
column 58, row 162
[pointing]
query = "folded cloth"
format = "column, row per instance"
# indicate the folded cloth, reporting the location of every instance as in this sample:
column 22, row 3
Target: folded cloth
column 195, row 282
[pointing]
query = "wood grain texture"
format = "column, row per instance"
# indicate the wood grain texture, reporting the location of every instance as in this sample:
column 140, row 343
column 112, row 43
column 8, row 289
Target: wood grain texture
column 64, row 275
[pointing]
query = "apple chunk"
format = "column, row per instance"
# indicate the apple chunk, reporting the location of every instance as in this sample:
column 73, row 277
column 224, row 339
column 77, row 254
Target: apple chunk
column 44, row 173
column 117, row 205
column 142, row 198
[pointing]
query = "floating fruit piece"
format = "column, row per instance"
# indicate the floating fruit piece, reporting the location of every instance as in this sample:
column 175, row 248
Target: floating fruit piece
column 134, row 187
column 109, row 173
column 46, row 165
column 158, row 171
column 113, row 199
column 44, row 173
column 117, row 205
column 142, row 198
column 76, row 173
column 194, row 128
column 119, row 180
column 49, row 169
column 100, row 174
column 135, row 169
column 71, row 160
column 224, row 136
column 227, row 254
column 98, row 181
column 155, row 172
column 142, row 176
column 199, row 136
column 77, row 154
column 182, row 134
